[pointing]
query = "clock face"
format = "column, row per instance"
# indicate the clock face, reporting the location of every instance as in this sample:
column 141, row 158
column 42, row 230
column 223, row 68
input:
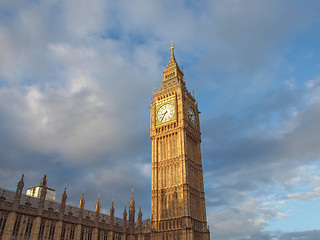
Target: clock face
column 192, row 115
column 165, row 112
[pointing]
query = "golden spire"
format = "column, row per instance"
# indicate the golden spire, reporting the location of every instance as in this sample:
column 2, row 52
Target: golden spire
column 172, row 61
column 21, row 182
column 44, row 180
column 98, row 206
column 64, row 195
column 112, row 210
column 125, row 211
column 132, row 200
column 132, row 194
column 172, row 69
column 140, row 213
column 81, row 203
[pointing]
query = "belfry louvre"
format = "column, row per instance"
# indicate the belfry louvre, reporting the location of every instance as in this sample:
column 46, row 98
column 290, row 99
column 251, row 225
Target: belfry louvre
column 177, row 193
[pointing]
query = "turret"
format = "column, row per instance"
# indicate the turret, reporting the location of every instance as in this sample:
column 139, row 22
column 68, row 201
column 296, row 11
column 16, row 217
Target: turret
column 140, row 220
column 17, row 196
column 63, row 203
column 131, row 213
column 64, row 196
column 81, row 207
column 43, row 193
column 81, row 202
column 97, row 214
column 125, row 219
column 112, row 214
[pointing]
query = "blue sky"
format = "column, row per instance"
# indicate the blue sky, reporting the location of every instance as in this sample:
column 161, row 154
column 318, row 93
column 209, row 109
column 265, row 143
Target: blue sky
column 76, row 75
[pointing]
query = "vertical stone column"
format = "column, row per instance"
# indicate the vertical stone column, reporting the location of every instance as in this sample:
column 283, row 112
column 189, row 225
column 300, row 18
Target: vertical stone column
column 124, row 236
column 22, row 228
column 77, row 232
column 35, row 228
column 95, row 233
column 47, row 225
column 8, row 229
column 58, row 230
column 110, row 235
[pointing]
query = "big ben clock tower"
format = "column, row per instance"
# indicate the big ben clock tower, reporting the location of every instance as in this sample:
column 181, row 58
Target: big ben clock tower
column 178, row 202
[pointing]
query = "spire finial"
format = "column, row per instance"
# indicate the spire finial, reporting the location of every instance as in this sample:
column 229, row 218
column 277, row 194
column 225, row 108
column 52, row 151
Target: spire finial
column 81, row 203
column 44, row 180
column 64, row 195
column 82, row 197
column 132, row 200
column 172, row 69
column 112, row 210
column 99, row 198
column 21, row 180
column 125, row 207
column 98, row 206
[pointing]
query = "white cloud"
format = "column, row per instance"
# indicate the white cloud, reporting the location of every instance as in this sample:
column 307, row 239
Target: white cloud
column 82, row 17
column 243, row 219
column 257, row 196
column 305, row 196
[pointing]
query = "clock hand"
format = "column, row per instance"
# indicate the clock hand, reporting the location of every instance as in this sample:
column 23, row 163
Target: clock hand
column 164, row 115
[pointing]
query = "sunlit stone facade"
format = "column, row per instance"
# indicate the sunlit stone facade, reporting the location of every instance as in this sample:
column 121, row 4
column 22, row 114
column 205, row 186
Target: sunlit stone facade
column 178, row 203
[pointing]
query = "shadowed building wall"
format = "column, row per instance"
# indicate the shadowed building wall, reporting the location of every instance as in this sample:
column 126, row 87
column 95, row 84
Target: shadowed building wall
column 28, row 218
